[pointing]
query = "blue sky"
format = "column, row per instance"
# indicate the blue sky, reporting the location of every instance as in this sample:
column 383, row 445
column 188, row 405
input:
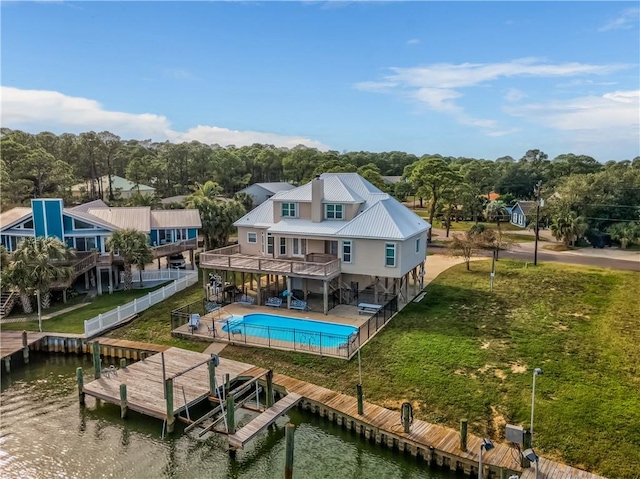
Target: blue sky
column 477, row 79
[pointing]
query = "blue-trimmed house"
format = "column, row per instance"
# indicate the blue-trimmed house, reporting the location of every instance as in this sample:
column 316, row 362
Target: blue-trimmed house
column 520, row 211
column 87, row 227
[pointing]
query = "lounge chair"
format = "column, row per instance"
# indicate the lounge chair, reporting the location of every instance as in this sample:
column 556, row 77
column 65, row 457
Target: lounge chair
column 247, row 300
column 368, row 308
column 194, row 322
column 299, row 304
column 273, row 301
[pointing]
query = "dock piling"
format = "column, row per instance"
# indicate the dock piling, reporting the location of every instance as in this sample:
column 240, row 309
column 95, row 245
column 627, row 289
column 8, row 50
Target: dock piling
column 231, row 414
column 270, row 388
column 463, row 434
column 7, row 364
column 168, row 392
column 360, row 399
column 96, row 359
column 25, row 347
column 80, row 379
column 123, row 401
column 406, row 417
column 212, row 374
column 123, row 363
column 289, row 435
column 524, row 462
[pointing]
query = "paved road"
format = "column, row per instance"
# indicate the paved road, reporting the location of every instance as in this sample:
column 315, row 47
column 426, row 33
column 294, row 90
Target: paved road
column 600, row 261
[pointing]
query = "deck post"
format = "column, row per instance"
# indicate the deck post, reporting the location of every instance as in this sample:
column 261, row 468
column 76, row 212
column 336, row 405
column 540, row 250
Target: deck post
column 168, row 390
column 288, row 292
column 123, row 363
column 80, row 379
column 270, row 388
column 289, row 436
column 231, row 414
column 212, row 375
column 325, row 296
column 258, row 288
column 463, row 434
column 25, row 348
column 227, row 382
column 96, row 359
column 7, row 364
column 123, row 401
column 524, row 462
column 360, row 397
column 406, row 417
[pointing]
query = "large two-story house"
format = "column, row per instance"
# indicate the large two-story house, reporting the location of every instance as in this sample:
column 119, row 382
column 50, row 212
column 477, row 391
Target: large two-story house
column 87, row 227
column 334, row 233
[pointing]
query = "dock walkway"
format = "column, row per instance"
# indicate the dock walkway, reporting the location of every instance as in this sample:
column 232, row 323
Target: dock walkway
column 11, row 342
column 264, row 420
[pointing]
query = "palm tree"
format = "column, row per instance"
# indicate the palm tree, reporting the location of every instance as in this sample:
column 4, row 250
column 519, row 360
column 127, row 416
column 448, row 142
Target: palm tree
column 134, row 248
column 4, row 257
column 625, row 233
column 38, row 264
column 568, row 227
column 497, row 211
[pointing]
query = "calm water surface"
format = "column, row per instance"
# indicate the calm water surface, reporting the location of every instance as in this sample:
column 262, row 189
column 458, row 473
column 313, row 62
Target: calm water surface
column 44, row 433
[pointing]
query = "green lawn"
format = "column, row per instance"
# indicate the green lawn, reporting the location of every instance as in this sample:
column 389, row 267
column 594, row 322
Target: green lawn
column 465, row 352
column 73, row 321
column 522, row 238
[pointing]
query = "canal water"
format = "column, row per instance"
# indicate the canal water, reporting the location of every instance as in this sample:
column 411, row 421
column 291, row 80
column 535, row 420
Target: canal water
column 44, row 433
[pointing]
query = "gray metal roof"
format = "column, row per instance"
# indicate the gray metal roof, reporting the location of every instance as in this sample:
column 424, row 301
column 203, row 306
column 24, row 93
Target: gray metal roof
column 14, row 215
column 277, row 186
column 91, row 204
column 83, row 215
column 136, row 218
column 380, row 215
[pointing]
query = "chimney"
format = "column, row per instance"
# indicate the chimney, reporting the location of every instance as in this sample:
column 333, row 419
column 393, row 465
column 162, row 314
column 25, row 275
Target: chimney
column 317, row 193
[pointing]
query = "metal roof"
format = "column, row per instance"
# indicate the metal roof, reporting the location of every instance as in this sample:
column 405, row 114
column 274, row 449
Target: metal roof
column 276, row 186
column 91, row 204
column 14, row 215
column 380, row 215
column 117, row 182
column 386, row 219
column 175, row 219
column 137, row 218
column 526, row 206
column 83, row 215
column 308, row 227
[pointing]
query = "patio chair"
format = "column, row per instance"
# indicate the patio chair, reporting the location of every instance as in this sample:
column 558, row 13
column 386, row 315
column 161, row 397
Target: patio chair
column 273, row 301
column 211, row 306
column 246, row 300
column 299, row 304
column 212, row 330
column 194, row 322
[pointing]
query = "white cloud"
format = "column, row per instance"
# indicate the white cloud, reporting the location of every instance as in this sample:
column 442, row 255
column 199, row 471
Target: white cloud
column 38, row 110
column 438, row 86
column 627, row 19
column 614, row 113
column 413, row 41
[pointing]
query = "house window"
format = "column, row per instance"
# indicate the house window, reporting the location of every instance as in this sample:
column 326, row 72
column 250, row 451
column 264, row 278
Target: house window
column 331, row 247
column 390, row 255
column 347, row 251
column 333, row 212
column 298, row 247
column 85, row 244
column 181, row 234
column 283, row 246
column 252, row 237
column 288, row 210
column 81, row 225
column 418, row 245
column 269, row 244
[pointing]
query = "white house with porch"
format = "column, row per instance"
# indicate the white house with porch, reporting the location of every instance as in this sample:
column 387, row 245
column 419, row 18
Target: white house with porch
column 337, row 234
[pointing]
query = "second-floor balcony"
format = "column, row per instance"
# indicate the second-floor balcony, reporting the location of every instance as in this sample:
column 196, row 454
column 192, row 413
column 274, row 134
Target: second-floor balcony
column 230, row 258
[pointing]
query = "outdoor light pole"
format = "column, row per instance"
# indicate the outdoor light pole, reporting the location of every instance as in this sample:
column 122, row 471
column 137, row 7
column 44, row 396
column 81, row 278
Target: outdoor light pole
column 536, row 190
column 39, row 311
column 486, row 445
column 536, row 372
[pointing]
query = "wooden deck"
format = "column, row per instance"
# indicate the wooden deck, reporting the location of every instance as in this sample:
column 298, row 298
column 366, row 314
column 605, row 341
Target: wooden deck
column 145, row 386
column 425, row 435
column 11, row 341
column 264, row 420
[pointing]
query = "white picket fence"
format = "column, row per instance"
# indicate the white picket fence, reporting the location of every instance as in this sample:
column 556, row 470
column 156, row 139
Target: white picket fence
column 104, row 321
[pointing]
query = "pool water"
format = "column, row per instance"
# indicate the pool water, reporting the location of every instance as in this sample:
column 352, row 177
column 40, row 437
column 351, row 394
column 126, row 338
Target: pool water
column 294, row 330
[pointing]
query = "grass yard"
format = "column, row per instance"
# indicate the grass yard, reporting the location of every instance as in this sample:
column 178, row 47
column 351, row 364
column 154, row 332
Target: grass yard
column 465, row 352
column 522, row 238
column 154, row 324
column 73, row 321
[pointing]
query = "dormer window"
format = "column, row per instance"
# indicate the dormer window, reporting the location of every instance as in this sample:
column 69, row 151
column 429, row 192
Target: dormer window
column 333, row 212
column 289, row 210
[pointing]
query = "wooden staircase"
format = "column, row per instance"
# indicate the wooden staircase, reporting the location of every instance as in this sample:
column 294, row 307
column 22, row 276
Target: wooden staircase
column 7, row 302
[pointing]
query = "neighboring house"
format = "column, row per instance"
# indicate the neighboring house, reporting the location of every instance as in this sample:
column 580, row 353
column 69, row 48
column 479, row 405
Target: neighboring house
column 336, row 232
column 392, row 180
column 492, row 196
column 120, row 186
column 174, row 199
column 261, row 192
column 520, row 211
column 87, row 227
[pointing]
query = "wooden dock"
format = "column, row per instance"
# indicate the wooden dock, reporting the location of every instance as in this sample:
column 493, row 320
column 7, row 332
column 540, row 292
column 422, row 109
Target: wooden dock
column 11, row 342
column 145, row 381
column 264, row 420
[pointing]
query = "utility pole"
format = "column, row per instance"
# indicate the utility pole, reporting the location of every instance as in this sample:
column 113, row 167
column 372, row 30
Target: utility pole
column 536, row 191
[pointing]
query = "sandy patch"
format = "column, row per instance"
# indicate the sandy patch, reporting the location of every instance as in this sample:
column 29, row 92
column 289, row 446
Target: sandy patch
column 518, row 368
column 485, row 345
column 499, row 373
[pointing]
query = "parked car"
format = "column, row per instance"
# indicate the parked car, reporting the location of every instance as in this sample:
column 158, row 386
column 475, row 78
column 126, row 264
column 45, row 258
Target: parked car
column 176, row 261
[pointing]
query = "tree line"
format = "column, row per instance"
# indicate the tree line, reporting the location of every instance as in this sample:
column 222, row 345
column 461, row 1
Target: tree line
column 582, row 193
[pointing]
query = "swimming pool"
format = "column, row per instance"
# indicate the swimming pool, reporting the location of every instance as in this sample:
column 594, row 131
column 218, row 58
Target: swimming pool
column 298, row 332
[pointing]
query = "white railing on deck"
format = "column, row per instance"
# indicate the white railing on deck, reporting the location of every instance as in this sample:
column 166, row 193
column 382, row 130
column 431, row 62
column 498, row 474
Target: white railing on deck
column 158, row 275
column 104, row 321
